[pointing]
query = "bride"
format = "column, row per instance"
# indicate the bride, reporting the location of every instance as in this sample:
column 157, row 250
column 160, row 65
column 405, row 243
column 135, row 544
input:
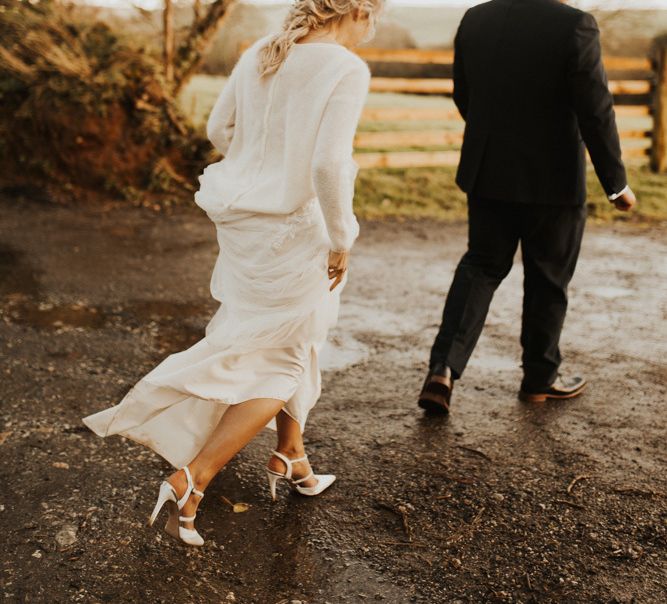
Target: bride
column 281, row 201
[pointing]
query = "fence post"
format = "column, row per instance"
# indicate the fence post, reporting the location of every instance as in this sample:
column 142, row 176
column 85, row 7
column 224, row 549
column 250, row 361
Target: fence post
column 659, row 148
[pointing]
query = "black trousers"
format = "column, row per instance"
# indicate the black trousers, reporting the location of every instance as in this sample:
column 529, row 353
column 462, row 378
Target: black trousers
column 550, row 238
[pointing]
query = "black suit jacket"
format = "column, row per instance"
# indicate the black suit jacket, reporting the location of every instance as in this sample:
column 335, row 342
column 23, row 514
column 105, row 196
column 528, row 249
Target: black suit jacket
column 530, row 84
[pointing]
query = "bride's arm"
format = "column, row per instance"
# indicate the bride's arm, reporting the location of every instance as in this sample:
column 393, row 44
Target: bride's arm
column 333, row 167
column 220, row 124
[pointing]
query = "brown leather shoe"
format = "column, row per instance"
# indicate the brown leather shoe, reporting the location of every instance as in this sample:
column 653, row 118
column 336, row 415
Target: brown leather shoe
column 437, row 390
column 562, row 388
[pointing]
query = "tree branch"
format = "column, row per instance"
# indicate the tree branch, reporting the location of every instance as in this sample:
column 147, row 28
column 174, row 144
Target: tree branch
column 190, row 53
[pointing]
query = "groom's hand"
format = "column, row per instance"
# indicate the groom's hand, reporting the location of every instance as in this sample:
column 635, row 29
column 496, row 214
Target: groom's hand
column 625, row 202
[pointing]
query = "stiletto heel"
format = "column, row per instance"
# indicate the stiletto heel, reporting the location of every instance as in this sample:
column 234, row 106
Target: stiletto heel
column 273, row 481
column 168, row 496
column 324, row 481
column 167, row 493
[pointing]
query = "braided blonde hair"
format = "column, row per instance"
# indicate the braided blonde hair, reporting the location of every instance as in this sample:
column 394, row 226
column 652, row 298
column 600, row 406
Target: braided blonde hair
column 305, row 16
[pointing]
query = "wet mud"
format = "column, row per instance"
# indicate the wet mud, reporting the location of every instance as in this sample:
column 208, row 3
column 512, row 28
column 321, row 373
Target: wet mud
column 500, row 502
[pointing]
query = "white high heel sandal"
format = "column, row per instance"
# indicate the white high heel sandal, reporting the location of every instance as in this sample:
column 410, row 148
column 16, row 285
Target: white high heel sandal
column 173, row 527
column 324, row 481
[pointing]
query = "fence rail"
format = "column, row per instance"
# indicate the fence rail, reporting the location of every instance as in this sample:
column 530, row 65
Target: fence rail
column 446, row 57
column 632, row 81
column 445, row 86
column 411, row 114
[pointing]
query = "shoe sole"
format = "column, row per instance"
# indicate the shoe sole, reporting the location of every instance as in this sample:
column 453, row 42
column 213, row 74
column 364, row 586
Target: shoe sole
column 436, row 394
column 525, row 397
column 171, row 528
column 432, row 407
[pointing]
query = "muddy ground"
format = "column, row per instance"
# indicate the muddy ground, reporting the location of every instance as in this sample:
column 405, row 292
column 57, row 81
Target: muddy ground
column 502, row 502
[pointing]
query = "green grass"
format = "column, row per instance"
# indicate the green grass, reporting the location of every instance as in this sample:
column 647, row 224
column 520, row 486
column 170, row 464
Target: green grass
column 412, row 125
column 409, row 193
column 432, row 193
column 651, row 191
column 198, row 97
column 406, row 193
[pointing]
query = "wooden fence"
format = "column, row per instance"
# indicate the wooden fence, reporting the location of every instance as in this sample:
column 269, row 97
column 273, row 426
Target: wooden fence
column 659, row 154
column 636, row 83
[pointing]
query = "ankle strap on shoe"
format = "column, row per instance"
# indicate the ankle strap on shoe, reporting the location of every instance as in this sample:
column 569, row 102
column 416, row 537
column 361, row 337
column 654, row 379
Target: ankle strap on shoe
column 288, row 462
column 191, row 489
column 191, row 482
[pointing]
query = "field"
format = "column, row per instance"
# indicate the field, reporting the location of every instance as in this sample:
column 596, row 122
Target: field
column 431, row 192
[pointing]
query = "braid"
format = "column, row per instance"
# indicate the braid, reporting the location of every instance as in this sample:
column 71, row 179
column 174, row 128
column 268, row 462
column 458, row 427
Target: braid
column 306, row 16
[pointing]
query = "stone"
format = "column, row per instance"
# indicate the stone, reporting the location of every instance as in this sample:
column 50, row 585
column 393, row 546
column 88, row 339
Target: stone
column 66, row 536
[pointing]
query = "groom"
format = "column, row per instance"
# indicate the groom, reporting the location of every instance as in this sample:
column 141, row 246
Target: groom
column 529, row 82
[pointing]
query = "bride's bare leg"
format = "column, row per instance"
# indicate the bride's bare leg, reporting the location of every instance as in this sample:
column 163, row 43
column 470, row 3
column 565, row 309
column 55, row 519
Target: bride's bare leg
column 290, row 444
column 237, row 427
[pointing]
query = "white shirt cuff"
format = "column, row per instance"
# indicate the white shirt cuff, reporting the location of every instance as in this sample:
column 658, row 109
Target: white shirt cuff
column 615, row 196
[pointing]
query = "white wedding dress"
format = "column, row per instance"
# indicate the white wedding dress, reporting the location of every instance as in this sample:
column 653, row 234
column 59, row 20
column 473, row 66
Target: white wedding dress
column 280, row 199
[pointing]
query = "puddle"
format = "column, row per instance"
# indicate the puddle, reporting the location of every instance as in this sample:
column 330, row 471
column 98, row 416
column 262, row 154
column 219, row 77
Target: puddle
column 357, row 317
column 489, row 360
column 342, row 351
column 50, row 316
column 610, row 292
column 179, row 324
column 46, row 316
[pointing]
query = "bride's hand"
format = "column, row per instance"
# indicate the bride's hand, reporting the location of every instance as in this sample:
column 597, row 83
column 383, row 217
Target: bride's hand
column 337, row 266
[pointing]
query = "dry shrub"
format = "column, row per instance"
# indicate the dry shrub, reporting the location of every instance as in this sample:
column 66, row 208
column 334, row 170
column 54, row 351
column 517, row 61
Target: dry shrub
column 84, row 115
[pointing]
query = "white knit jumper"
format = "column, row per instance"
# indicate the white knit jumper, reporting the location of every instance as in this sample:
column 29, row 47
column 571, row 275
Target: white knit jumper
column 287, row 138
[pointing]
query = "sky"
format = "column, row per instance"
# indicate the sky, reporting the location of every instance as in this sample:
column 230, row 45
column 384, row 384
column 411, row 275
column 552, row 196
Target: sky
column 611, row 4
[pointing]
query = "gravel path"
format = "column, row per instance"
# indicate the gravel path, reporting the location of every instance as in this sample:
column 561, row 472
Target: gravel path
column 502, row 502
